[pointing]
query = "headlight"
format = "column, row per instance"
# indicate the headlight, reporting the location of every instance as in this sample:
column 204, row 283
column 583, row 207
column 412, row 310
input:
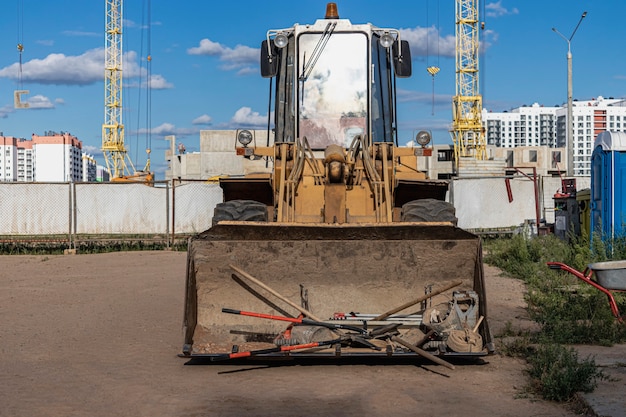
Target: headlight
column 422, row 137
column 244, row 137
column 386, row 40
column 281, row 40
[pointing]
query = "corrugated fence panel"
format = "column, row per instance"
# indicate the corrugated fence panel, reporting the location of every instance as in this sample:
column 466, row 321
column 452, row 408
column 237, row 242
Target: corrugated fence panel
column 123, row 208
column 483, row 203
column 193, row 210
column 110, row 208
column 34, row 208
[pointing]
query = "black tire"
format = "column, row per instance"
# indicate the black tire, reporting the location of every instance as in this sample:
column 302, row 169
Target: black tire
column 428, row 210
column 240, row 210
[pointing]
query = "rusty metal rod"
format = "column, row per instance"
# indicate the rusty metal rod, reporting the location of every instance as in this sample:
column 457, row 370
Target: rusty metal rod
column 274, row 292
column 421, row 352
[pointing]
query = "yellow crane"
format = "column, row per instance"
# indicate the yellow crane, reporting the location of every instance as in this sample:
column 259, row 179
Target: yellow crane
column 116, row 156
column 467, row 131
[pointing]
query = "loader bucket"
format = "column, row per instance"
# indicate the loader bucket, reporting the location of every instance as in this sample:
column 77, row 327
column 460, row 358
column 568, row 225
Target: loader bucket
column 328, row 268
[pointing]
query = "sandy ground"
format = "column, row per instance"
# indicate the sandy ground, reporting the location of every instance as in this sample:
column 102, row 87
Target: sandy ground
column 98, row 335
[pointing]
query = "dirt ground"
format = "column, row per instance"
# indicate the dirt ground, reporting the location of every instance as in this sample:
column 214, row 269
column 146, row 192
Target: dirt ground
column 98, row 335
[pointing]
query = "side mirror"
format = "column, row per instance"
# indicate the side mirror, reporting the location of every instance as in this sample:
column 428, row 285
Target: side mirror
column 402, row 59
column 269, row 60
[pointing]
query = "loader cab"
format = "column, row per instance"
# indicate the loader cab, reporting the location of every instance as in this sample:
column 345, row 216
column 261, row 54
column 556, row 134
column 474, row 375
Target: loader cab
column 334, row 81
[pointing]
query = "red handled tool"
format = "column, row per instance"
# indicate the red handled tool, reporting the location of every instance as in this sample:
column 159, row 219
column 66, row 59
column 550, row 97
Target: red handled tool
column 305, row 320
column 275, row 349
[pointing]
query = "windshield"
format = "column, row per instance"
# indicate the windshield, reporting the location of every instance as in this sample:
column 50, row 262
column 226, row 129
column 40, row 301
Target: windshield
column 332, row 88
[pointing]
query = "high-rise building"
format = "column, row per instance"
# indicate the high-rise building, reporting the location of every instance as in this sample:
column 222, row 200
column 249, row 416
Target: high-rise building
column 58, row 157
column 537, row 125
column 524, row 126
column 25, row 161
column 8, row 158
column 53, row 157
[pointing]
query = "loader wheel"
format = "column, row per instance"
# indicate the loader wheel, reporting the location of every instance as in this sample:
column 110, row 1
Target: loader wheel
column 428, row 210
column 241, row 210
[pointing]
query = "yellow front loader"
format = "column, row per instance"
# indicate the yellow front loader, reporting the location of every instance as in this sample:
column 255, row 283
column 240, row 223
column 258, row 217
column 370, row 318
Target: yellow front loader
column 345, row 247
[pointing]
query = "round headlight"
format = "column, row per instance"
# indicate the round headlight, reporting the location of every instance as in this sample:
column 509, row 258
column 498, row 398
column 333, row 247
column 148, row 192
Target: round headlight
column 281, row 40
column 422, row 137
column 386, row 40
column 244, row 137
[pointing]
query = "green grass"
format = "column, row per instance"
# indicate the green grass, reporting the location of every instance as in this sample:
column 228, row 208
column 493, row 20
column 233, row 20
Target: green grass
column 568, row 310
column 557, row 373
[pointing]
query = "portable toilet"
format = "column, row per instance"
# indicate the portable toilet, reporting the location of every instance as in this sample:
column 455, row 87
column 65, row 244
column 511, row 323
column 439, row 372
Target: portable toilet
column 608, row 182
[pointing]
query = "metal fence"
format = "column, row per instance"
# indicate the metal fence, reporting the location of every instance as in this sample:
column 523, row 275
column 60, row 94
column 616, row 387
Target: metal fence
column 74, row 214
column 81, row 212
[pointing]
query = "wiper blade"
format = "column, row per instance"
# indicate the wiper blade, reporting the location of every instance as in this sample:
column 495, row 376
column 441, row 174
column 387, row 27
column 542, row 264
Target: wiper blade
column 307, row 67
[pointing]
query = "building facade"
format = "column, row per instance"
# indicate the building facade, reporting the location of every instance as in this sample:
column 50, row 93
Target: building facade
column 8, row 160
column 52, row 157
column 524, row 126
column 537, row 125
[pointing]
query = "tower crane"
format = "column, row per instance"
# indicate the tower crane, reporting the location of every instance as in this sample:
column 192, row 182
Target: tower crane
column 467, row 131
column 116, row 156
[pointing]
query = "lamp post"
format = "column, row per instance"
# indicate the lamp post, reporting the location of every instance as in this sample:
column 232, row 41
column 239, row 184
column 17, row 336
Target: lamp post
column 569, row 137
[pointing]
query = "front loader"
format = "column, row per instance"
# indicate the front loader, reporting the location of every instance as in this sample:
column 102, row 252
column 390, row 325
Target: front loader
column 346, row 247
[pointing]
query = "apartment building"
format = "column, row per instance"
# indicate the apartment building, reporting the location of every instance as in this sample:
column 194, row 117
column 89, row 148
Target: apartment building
column 538, row 125
column 52, row 157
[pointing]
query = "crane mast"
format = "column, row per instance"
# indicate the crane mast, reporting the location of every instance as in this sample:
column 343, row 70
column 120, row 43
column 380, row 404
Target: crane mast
column 115, row 154
column 467, row 131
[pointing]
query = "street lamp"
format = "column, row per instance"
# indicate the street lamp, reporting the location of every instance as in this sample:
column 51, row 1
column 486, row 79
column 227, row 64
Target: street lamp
column 569, row 137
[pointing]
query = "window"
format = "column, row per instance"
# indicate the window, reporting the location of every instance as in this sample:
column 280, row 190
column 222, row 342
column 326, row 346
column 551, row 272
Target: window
column 556, row 158
column 532, row 156
column 444, row 155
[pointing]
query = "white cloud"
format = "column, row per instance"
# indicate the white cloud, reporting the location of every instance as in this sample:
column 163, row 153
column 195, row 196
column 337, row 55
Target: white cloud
column 45, row 42
column 87, row 68
column 240, row 58
column 496, row 9
column 5, row 111
column 428, row 41
column 81, row 33
column 92, row 150
column 158, row 82
column 39, row 102
column 166, row 129
column 205, row 119
column 245, row 117
column 206, row 47
column 60, row 69
column 248, row 71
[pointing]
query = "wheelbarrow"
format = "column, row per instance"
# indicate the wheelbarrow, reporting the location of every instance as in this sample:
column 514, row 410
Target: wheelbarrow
column 609, row 276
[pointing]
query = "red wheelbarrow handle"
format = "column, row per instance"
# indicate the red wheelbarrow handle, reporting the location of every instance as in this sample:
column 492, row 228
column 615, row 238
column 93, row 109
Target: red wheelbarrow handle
column 586, row 277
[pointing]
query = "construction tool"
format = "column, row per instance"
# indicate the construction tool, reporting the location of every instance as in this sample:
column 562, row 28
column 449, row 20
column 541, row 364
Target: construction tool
column 305, row 321
column 421, row 352
column 417, row 300
column 249, row 353
column 259, row 295
column 275, row 293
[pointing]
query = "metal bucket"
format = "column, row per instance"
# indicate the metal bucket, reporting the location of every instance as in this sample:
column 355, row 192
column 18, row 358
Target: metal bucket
column 611, row 275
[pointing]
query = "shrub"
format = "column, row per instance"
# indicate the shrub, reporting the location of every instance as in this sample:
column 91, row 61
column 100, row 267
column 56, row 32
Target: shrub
column 557, row 373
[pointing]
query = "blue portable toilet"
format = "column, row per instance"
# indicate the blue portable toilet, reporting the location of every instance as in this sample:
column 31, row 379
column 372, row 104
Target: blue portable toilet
column 608, row 185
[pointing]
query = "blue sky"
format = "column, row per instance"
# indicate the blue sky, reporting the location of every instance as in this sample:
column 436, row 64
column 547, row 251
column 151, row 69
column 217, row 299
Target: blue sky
column 205, row 62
